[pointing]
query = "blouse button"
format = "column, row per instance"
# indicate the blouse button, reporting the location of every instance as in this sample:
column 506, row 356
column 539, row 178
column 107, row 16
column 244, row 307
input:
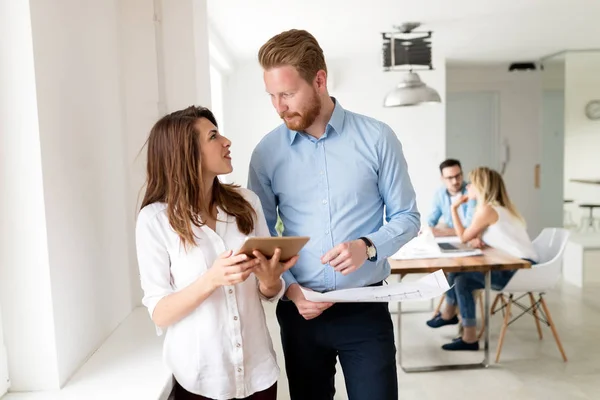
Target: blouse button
column 230, row 291
column 235, row 318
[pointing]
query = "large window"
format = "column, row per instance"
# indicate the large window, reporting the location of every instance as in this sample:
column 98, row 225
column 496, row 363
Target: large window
column 216, row 96
column 216, row 100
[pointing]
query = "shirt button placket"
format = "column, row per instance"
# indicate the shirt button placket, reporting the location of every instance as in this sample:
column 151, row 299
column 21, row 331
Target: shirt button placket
column 236, row 337
column 323, row 188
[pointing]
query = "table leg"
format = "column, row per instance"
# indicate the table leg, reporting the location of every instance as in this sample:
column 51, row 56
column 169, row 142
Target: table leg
column 486, row 348
column 486, row 321
column 399, row 339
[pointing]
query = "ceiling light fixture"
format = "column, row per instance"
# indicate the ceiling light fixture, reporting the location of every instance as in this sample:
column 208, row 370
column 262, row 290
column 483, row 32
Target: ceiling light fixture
column 406, row 47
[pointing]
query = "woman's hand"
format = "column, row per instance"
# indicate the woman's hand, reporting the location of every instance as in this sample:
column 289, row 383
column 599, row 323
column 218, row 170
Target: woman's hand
column 231, row 270
column 269, row 271
column 461, row 200
column 477, row 243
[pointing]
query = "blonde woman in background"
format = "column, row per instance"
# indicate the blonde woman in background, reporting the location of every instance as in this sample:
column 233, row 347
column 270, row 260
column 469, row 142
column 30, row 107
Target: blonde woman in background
column 500, row 225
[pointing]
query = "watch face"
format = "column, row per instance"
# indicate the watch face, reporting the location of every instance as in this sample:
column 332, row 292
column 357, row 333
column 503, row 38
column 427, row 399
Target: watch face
column 592, row 109
column 371, row 252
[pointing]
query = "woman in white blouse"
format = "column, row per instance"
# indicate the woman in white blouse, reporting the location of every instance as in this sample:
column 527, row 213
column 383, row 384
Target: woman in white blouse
column 209, row 300
column 499, row 224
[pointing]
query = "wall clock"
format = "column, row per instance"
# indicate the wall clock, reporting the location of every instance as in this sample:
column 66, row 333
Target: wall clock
column 592, row 110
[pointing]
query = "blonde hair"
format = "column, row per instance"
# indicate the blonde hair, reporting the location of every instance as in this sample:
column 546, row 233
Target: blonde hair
column 296, row 48
column 490, row 186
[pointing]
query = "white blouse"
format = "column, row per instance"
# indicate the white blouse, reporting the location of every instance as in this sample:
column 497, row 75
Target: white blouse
column 222, row 350
column 509, row 235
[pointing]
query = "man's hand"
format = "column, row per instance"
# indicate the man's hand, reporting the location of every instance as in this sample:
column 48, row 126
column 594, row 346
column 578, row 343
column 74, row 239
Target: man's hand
column 346, row 257
column 307, row 309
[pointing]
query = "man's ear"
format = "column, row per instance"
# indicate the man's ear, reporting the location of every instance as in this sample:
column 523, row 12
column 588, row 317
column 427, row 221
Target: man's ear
column 321, row 79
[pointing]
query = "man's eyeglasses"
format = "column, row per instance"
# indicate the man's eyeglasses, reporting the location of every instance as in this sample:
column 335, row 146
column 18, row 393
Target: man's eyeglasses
column 451, row 178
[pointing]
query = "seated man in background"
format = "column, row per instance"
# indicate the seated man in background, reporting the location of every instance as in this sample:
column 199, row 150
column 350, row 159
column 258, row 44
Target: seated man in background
column 454, row 187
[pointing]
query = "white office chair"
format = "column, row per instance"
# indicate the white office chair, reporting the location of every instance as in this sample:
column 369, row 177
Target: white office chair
column 550, row 246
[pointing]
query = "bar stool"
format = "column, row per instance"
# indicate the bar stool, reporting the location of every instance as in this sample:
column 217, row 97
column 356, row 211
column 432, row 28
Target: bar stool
column 587, row 222
column 568, row 221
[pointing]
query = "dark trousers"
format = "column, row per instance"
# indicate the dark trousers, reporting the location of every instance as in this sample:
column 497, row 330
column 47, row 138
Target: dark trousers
column 268, row 394
column 360, row 334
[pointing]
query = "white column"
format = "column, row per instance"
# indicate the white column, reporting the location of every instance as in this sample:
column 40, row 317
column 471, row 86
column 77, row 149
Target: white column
column 185, row 56
column 165, row 68
column 25, row 295
column 143, row 104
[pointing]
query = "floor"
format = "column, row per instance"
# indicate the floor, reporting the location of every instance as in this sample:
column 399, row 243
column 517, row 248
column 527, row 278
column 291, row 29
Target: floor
column 528, row 369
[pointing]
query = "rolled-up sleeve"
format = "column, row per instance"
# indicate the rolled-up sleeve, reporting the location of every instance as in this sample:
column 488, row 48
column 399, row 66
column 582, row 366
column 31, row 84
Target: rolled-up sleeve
column 273, row 299
column 436, row 212
column 153, row 262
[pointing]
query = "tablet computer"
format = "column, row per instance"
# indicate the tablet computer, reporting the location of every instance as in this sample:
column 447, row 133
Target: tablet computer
column 289, row 245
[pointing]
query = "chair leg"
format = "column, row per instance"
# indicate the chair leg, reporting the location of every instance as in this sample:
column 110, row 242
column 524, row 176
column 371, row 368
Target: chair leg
column 495, row 302
column 535, row 315
column 553, row 328
column 482, row 313
column 504, row 328
column 439, row 306
column 503, row 301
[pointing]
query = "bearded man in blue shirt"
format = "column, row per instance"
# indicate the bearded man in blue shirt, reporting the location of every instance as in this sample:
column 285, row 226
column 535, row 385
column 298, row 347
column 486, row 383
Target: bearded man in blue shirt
column 329, row 173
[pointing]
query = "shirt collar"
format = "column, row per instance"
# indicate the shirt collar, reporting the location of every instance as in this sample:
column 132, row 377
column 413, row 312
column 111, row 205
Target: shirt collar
column 463, row 189
column 336, row 122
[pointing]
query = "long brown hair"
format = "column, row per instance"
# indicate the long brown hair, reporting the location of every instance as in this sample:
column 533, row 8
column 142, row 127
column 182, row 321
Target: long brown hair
column 174, row 176
column 490, row 185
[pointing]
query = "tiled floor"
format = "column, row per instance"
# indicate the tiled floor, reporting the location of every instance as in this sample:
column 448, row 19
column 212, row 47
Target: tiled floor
column 529, row 368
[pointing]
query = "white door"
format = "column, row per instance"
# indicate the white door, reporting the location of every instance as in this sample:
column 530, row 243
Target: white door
column 472, row 129
column 553, row 158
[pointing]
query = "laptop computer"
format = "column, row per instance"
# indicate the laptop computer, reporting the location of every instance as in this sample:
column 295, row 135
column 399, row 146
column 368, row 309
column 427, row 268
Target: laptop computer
column 446, row 247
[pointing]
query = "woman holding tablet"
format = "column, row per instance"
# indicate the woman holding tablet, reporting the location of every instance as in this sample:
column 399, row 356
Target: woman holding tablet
column 206, row 298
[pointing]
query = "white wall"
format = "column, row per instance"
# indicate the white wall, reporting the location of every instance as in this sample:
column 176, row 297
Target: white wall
column 76, row 47
column 248, row 115
column 552, row 144
column 25, row 295
column 582, row 136
column 519, row 123
column 360, row 85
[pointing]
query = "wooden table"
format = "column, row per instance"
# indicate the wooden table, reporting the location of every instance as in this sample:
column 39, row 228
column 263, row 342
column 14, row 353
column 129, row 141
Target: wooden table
column 491, row 260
